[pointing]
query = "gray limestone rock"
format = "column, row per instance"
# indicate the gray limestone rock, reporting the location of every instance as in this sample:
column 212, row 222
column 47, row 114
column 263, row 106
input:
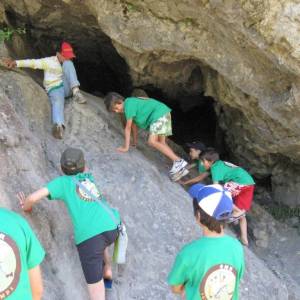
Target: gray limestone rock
column 157, row 212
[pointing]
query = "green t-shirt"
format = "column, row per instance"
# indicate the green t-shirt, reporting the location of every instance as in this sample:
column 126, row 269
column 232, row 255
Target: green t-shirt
column 20, row 251
column 144, row 112
column 89, row 218
column 201, row 168
column 209, row 268
column 223, row 172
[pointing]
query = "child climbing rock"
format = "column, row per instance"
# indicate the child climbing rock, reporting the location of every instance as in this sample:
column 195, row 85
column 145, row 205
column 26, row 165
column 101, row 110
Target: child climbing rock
column 60, row 81
column 20, row 256
column 212, row 266
column 95, row 224
column 236, row 180
column 150, row 115
column 195, row 150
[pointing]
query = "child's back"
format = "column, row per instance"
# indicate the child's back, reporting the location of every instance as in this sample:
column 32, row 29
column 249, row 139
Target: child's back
column 144, row 111
column 211, row 265
column 222, row 171
column 89, row 218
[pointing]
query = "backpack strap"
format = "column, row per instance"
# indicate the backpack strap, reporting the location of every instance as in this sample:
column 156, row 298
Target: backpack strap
column 96, row 199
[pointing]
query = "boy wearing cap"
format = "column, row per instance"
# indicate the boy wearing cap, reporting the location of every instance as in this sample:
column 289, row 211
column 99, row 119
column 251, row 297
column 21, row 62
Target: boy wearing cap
column 212, row 266
column 95, row 224
column 236, row 180
column 60, row 81
column 20, row 256
column 151, row 115
column 195, row 150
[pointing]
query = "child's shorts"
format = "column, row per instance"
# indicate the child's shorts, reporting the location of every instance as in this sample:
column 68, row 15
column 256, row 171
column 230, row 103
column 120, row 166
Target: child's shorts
column 163, row 126
column 91, row 254
column 244, row 199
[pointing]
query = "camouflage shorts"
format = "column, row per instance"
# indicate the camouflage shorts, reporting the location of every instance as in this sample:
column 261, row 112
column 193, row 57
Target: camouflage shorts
column 163, row 126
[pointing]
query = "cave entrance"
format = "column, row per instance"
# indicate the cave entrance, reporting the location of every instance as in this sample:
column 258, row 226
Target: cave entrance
column 193, row 118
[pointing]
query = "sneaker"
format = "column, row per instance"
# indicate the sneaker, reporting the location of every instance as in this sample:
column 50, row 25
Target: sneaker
column 58, row 131
column 183, row 172
column 79, row 98
column 177, row 166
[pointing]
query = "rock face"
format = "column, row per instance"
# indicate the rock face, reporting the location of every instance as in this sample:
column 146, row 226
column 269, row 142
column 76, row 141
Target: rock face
column 247, row 53
column 158, row 213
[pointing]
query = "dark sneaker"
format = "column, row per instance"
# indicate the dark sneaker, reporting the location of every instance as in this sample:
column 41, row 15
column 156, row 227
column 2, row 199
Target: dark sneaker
column 183, row 172
column 79, row 98
column 58, row 131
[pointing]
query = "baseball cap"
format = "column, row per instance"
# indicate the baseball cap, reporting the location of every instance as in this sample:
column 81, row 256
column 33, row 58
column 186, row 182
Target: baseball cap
column 196, row 145
column 72, row 160
column 213, row 199
column 67, row 50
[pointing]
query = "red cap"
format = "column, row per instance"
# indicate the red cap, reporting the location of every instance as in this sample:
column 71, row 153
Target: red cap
column 67, row 50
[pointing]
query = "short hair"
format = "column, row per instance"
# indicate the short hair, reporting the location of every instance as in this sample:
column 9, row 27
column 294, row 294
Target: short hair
column 211, row 223
column 210, row 155
column 111, row 99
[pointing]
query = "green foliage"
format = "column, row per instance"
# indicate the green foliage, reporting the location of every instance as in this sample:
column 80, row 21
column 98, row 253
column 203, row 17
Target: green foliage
column 6, row 33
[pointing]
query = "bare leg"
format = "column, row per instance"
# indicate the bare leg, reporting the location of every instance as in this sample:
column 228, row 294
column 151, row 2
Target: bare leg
column 97, row 291
column 162, row 139
column 154, row 142
column 237, row 211
column 243, row 228
column 107, row 272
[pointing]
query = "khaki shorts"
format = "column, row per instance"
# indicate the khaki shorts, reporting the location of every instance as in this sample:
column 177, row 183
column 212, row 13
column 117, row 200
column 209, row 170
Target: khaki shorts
column 163, row 126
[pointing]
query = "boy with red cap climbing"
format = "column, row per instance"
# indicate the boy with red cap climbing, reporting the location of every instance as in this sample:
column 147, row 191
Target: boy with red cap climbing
column 60, row 81
column 210, row 267
column 151, row 115
column 96, row 225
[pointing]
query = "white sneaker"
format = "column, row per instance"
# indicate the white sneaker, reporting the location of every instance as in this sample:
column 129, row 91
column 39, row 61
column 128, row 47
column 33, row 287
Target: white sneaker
column 177, row 166
column 183, row 172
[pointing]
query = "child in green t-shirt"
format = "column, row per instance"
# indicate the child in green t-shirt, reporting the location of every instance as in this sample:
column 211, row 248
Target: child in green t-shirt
column 151, row 115
column 212, row 266
column 95, row 224
column 20, row 256
column 236, row 180
column 195, row 150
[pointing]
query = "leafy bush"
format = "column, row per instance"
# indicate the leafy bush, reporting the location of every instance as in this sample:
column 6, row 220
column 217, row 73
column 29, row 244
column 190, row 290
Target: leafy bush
column 7, row 33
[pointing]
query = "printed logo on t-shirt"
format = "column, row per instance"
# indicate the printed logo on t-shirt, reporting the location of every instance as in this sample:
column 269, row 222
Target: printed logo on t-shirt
column 231, row 165
column 10, row 266
column 91, row 187
column 218, row 283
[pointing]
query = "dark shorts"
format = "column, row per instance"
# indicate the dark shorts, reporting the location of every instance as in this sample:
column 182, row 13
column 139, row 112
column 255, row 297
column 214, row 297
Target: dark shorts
column 91, row 254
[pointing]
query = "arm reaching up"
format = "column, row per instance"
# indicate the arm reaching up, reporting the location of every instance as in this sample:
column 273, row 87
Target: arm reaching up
column 27, row 202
